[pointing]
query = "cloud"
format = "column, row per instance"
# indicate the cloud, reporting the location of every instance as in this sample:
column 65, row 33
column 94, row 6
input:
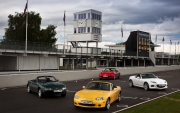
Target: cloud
column 161, row 17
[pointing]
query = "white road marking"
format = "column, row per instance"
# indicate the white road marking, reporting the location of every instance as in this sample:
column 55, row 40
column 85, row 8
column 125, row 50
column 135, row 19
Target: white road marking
column 118, row 80
column 164, row 76
column 70, row 91
column 144, row 98
column 144, row 102
column 175, row 88
column 3, row 88
column 130, row 97
column 125, row 106
column 162, row 93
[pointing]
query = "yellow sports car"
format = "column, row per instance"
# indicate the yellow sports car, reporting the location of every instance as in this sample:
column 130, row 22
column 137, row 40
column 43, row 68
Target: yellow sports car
column 97, row 94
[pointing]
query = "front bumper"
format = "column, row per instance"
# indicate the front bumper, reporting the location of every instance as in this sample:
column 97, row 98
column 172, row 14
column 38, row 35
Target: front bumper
column 95, row 103
column 107, row 77
column 51, row 92
column 158, row 86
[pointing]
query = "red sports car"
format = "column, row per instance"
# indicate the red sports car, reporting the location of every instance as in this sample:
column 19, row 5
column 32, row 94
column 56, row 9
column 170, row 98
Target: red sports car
column 109, row 73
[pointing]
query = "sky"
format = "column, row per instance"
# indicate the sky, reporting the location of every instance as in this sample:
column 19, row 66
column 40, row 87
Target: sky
column 158, row 17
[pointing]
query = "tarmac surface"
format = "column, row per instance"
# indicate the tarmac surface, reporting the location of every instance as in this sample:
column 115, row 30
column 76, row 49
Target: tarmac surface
column 18, row 100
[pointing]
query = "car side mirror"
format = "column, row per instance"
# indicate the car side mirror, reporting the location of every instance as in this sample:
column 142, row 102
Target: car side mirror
column 83, row 87
column 114, row 87
column 138, row 77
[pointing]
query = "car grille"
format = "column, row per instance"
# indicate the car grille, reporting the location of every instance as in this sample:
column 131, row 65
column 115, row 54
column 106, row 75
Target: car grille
column 87, row 104
column 161, row 85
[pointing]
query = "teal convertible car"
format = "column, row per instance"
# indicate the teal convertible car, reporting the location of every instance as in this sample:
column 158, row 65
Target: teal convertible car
column 46, row 85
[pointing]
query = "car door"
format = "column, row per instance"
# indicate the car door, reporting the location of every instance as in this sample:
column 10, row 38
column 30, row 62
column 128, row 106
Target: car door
column 117, row 73
column 141, row 81
column 136, row 80
column 34, row 86
column 114, row 93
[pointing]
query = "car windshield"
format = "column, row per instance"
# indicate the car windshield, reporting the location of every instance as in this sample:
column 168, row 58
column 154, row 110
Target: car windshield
column 47, row 79
column 98, row 86
column 149, row 75
column 109, row 70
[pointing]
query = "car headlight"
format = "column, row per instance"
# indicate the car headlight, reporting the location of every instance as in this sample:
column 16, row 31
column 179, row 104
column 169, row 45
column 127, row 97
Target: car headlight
column 153, row 81
column 165, row 81
column 47, row 89
column 76, row 97
column 64, row 88
column 99, row 98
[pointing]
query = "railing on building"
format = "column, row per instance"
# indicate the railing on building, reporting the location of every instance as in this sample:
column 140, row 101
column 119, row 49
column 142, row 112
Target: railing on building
column 59, row 48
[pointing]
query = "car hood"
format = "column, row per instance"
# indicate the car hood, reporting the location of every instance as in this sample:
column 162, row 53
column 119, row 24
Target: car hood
column 157, row 80
column 91, row 94
column 53, row 85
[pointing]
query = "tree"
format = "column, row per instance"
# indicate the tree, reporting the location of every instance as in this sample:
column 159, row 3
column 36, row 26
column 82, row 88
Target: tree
column 17, row 29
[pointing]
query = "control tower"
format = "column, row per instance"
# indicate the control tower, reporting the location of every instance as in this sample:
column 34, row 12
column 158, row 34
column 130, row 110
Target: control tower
column 87, row 27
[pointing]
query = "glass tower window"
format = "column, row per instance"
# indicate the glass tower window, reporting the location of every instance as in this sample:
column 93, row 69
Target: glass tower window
column 88, row 29
column 74, row 16
column 84, row 15
column 88, row 15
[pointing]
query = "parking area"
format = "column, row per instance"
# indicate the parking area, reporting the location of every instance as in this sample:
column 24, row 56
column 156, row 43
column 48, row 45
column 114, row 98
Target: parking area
column 17, row 100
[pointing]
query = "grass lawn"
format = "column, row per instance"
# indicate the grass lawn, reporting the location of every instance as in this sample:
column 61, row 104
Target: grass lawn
column 167, row 104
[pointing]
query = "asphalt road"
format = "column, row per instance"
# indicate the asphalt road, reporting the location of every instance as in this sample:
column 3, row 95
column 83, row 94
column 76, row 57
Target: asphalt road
column 17, row 100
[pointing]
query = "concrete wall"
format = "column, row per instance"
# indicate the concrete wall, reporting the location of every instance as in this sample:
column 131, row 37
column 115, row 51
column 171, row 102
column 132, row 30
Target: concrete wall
column 151, row 56
column 20, row 80
column 8, row 63
column 34, row 62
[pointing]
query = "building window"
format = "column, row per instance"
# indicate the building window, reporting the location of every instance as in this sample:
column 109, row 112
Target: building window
column 79, row 16
column 84, row 29
column 88, row 29
column 89, row 15
column 78, row 29
column 74, row 30
column 99, row 17
column 92, row 15
column 84, row 15
column 74, row 16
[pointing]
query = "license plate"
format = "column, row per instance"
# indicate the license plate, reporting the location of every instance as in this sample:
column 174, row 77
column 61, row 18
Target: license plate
column 105, row 76
column 86, row 102
column 57, row 90
column 161, row 84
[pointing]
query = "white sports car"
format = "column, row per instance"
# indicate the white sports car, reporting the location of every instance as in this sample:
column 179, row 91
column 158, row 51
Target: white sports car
column 147, row 81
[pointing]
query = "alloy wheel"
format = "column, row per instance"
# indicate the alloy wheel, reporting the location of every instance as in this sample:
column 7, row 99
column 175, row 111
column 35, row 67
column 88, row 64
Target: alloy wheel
column 130, row 83
column 108, row 104
column 40, row 93
column 146, row 86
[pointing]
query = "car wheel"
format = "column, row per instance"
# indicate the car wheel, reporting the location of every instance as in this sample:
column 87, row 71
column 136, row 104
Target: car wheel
column 40, row 93
column 107, row 107
column 76, row 106
column 28, row 89
column 146, row 86
column 119, row 97
column 100, row 79
column 63, row 95
column 119, row 76
column 114, row 77
column 131, row 83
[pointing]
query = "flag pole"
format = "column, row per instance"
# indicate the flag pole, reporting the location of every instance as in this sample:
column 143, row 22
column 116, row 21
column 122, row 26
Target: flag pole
column 149, row 42
column 26, row 30
column 175, row 48
column 64, row 32
column 121, row 35
column 170, row 46
column 66, row 37
column 163, row 44
column 137, row 43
